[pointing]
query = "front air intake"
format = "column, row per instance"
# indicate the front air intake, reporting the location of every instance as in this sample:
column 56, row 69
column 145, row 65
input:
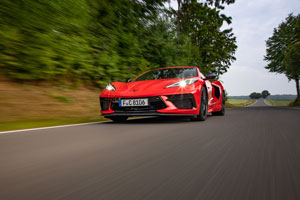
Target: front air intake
column 104, row 103
column 183, row 101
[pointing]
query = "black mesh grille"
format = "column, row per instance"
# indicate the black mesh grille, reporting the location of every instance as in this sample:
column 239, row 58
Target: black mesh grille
column 155, row 103
column 183, row 101
column 104, row 103
column 217, row 91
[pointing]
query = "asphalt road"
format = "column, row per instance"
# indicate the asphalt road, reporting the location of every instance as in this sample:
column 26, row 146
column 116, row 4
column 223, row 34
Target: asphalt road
column 251, row 153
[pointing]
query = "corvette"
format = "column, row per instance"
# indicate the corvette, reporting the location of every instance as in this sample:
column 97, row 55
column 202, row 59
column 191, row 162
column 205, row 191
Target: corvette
column 170, row 91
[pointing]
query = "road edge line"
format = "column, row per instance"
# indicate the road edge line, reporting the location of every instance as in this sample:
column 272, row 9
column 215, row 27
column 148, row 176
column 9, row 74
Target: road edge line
column 48, row 127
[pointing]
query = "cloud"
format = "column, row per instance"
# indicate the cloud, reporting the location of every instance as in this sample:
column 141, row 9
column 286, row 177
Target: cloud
column 253, row 23
column 242, row 80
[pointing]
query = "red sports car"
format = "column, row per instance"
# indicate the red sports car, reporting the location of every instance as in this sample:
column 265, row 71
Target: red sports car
column 170, row 91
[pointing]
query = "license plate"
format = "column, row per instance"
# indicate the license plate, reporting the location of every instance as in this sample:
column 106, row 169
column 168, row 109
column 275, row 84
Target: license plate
column 133, row 102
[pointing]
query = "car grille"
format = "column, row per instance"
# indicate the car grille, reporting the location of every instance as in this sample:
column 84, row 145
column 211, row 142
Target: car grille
column 104, row 103
column 155, row 103
column 183, row 101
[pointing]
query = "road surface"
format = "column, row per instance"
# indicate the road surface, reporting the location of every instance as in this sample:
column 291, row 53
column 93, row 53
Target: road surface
column 251, row 153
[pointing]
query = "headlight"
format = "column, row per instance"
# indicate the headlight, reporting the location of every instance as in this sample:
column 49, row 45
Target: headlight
column 110, row 87
column 183, row 83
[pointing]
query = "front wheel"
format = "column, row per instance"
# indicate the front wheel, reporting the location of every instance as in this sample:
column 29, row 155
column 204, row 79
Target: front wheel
column 119, row 119
column 203, row 106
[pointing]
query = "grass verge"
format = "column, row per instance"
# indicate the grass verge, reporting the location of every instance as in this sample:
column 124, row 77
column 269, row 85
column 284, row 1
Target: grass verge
column 25, row 106
column 47, row 123
column 295, row 103
column 283, row 103
column 278, row 102
column 235, row 103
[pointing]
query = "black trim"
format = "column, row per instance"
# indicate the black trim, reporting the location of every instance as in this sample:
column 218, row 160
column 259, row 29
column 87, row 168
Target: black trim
column 183, row 101
column 131, row 114
column 155, row 103
column 104, row 103
column 217, row 91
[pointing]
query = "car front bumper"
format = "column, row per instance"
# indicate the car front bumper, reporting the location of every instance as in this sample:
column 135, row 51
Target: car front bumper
column 169, row 105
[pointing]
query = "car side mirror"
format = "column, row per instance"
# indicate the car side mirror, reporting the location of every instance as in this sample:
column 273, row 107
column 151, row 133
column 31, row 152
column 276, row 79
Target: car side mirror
column 210, row 76
column 128, row 80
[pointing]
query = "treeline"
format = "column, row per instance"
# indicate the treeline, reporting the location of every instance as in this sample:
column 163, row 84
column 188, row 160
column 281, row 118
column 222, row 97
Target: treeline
column 274, row 97
column 256, row 95
column 98, row 41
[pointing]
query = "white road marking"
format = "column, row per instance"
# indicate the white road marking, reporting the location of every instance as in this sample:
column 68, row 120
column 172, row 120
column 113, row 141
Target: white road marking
column 61, row 126
column 49, row 127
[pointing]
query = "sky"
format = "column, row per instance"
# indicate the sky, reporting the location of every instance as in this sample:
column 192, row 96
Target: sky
column 253, row 23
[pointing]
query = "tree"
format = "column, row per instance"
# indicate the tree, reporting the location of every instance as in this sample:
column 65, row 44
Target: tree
column 202, row 22
column 87, row 40
column 265, row 94
column 255, row 95
column 217, row 4
column 98, row 41
column 292, row 64
column 282, row 49
column 44, row 40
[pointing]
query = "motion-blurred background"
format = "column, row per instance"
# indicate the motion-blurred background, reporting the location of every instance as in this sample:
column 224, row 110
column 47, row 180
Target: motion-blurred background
column 98, row 41
column 56, row 55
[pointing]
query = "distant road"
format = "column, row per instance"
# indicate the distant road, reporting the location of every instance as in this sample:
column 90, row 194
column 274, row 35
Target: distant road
column 251, row 153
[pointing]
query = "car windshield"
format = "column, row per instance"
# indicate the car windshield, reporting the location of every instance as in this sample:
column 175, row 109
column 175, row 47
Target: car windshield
column 168, row 73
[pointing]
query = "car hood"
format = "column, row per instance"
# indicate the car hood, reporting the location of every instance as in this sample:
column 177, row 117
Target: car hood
column 142, row 88
column 150, row 84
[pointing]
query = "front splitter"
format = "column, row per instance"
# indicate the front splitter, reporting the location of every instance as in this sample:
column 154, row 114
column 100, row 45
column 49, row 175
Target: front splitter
column 131, row 114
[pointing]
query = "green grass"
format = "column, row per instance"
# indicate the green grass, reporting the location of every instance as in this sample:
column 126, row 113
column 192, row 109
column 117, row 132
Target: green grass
column 295, row 103
column 234, row 103
column 49, row 122
column 278, row 102
column 284, row 103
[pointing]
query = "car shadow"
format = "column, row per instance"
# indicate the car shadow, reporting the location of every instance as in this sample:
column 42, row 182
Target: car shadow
column 154, row 120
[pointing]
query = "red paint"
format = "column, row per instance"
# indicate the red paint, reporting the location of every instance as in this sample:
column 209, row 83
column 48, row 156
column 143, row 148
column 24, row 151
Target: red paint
column 149, row 88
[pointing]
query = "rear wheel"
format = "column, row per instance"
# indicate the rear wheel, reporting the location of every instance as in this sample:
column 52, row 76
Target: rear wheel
column 222, row 111
column 203, row 107
column 119, row 118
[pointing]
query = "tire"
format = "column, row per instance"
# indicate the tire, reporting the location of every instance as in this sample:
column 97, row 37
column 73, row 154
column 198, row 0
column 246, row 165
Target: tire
column 203, row 106
column 119, row 119
column 222, row 111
